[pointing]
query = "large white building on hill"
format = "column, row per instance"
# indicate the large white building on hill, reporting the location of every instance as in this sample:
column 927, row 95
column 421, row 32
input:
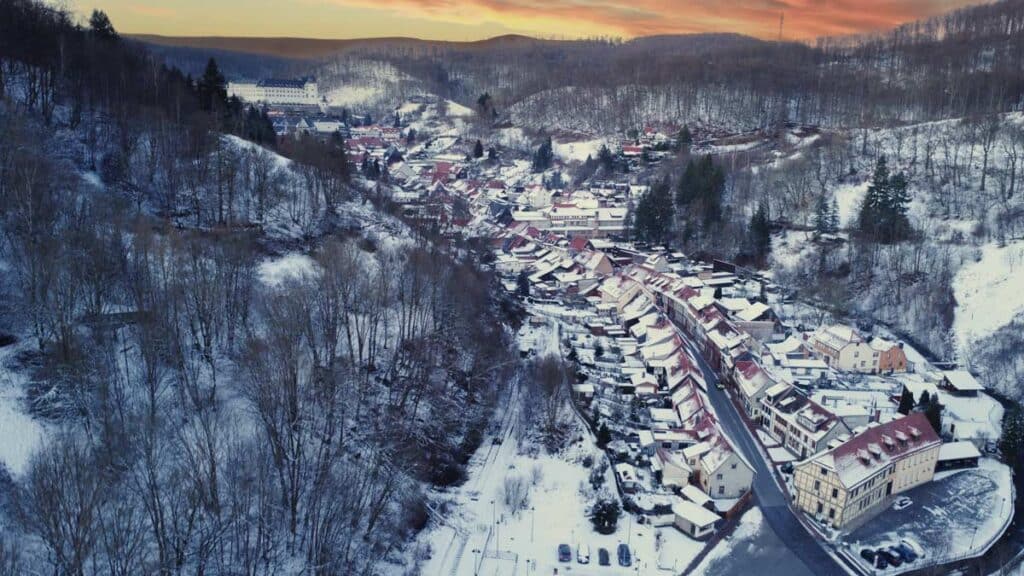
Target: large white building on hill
column 303, row 91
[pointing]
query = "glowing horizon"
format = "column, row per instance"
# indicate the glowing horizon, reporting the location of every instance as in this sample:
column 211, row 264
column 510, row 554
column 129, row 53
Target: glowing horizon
column 480, row 19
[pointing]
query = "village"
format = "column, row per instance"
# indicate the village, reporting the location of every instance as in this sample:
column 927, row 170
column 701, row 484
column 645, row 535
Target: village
column 711, row 392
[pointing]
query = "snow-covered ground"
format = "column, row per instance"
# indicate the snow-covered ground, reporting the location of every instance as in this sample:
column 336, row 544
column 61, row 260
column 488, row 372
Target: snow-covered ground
column 290, row 267
column 20, row 435
column 989, row 292
column 577, row 150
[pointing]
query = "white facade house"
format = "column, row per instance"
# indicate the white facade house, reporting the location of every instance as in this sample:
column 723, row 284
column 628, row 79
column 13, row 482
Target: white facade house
column 303, row 91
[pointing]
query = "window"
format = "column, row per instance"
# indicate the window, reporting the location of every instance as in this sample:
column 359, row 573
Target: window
column 824, row 471
column 719, row 477
column 721, row 490
column 835, row 492
column 831, row 512
column 734, row 466
column 817, row 485
column 820, row 507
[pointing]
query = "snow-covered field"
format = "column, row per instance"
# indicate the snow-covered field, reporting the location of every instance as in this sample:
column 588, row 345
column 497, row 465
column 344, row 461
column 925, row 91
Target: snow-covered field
column 577, row 150
column 989, row 292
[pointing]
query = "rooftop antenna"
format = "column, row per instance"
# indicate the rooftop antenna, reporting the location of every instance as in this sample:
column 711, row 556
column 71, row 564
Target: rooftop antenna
column 782, row 20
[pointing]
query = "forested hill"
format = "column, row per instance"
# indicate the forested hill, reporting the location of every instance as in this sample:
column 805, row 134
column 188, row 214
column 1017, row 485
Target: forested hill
column 966, row 62
column 213, row 358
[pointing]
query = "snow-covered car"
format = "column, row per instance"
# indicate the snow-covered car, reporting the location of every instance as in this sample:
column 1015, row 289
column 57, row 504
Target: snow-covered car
column 901, row 503
column 583, row 553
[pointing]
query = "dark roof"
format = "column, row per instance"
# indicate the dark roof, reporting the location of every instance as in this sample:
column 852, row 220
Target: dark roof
column 283, row 83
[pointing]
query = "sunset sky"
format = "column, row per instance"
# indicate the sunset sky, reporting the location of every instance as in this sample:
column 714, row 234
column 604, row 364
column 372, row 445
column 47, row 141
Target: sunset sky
column 477, row 19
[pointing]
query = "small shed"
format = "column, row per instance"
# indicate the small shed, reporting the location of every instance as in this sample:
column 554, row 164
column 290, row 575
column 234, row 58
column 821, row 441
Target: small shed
column 957, row 455
column 961, row 383
column 693, row 520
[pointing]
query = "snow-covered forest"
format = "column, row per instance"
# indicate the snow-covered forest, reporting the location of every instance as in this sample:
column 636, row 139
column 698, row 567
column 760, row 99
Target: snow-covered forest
column 232, row 361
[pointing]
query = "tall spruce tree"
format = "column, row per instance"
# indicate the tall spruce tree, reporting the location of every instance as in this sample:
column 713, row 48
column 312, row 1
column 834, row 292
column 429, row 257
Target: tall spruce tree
column 653, row 218
column 544, row 157
column 906, row 402
column 760, row 233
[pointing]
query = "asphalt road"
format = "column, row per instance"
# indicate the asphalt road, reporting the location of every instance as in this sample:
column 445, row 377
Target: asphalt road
column 771, row 499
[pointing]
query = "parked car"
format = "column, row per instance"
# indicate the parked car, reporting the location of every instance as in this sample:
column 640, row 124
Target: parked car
column 564, row 553
column 880, row 562
column 906, row 551
column 583, row 553
column 787, row 468
column 625, row 558
column 869, row 555
column 901, row 503
column 891, row 555
column 603, row 558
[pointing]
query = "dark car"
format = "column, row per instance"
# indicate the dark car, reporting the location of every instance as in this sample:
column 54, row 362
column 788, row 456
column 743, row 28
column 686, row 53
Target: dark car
column 868, row 554
column 880, row 562
column 906, row 551
column 787, row 467
column 625, row 558
column 891, row 555
column 564, row 553
column 603, row 558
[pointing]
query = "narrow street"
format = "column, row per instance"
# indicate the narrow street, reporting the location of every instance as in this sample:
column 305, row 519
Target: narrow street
column 772, row 500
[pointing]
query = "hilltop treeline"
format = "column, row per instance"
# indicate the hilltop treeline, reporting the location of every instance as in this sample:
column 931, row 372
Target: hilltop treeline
column 966, row 62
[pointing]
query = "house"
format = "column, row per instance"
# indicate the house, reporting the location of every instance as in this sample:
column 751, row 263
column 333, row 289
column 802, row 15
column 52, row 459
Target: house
column 960, row 383
column 853, row 481
column 958, row 455
column 891, row 357
column 674, row 469
column 751, row 381
column 802, row 425
column 844, row 349
column 628, row 479
column 694, row 520
column 724, row 473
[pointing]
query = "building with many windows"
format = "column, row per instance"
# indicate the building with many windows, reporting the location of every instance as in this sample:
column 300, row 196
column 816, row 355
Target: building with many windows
column 853, row 481
column 302, row 91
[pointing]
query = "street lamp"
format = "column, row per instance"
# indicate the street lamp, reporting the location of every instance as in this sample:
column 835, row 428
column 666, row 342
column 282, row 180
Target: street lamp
column 533, row 515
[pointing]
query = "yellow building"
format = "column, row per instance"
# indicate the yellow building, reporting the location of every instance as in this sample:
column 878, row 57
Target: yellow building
column 857, row 478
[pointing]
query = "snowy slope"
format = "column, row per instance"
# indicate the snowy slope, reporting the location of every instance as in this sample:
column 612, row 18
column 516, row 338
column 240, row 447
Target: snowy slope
column 20, row 435
column 989, row 292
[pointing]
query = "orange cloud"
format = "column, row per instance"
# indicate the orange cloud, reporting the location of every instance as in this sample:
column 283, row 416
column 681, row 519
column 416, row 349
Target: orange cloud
column 803, row 18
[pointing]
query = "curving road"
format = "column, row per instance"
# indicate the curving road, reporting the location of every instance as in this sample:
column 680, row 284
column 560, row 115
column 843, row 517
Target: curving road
column 772, row 500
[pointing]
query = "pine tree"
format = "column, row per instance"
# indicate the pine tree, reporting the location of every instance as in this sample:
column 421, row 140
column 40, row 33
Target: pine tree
column 760, row 233
column 101, row 27
column 605, row 516
column 544, row 157
column 684, row 138
column 906, row 402
column 654, row 214
column 212, row 87
column 1011, row 442
column 478, row 149
column 604, row 155
column 822, row 215
column 603, row 435
column 492, row 153
column 924, row 400
column 934, row 414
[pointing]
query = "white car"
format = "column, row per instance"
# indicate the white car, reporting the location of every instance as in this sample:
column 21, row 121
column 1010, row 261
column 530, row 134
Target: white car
column 901, row 503
column 583, row 553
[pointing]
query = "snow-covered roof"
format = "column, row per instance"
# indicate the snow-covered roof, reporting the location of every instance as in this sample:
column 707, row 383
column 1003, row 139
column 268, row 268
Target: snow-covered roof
column 958, row 451
column 962, row 380
column 695, row 495
column 694, row 514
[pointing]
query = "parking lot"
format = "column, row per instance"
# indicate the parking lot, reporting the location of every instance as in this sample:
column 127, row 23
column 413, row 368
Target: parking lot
column 957, row 516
